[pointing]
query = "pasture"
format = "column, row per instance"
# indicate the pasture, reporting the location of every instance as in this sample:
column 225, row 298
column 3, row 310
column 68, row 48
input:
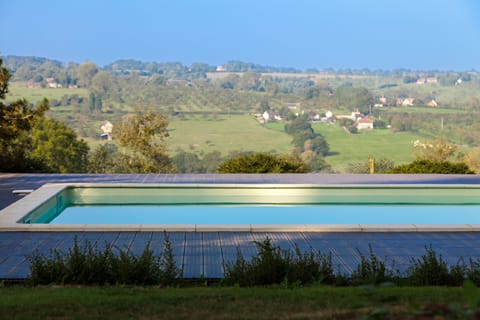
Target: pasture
column 225, row 133
column 351, row 148
column 19, row 90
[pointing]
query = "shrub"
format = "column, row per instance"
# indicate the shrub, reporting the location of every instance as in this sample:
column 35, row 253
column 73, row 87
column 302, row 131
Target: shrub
column 473, row 271
column 382, row 165
column 272, row 265
column 372, row 270
column 88, row 264
column 430, row 270
column 262, row 163
column 436, row 167
column 170, row 273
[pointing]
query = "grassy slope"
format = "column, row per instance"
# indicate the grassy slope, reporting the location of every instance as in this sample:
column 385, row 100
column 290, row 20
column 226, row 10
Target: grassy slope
column 349, row 148
column 243, row 133
column 231, row 303
column 225, row 133
column 19, row 90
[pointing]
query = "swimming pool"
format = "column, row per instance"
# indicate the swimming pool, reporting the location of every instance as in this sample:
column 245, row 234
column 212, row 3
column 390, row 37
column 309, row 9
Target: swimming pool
column 246, row 207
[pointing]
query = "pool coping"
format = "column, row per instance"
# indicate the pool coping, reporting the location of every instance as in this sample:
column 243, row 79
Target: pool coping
column 16, row 211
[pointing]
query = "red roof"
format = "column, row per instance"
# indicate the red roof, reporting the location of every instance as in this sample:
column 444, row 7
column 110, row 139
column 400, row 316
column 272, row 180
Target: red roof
column 365, row 120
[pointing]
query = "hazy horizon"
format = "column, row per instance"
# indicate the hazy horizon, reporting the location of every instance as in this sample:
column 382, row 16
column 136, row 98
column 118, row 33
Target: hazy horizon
column 373, row 34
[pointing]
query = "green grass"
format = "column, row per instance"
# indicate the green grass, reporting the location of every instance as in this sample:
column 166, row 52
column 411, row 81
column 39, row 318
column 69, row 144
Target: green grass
column 438, row 110
column 225, row 134
column 233, row 303
column 350, row 148
column 19, row 90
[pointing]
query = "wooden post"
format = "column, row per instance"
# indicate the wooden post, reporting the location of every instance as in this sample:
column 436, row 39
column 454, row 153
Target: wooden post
column 371, row 162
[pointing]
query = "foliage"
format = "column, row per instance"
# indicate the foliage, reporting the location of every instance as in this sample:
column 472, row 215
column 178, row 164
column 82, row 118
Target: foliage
column 309, row 145
column 299, row 124
column 354, row 98
column 56, row 146
column 314, row 162
column 121, row 86
column 409, row 79
column 432, row 270
column 88, row 264
column 93, row 264
column 187, row 162
column 472, row 160
column 139, row 133
column 439, row 150
column 433, row 167
column 85, row 72
column 262, row 163
column 345, row 122
column 272, row 265
column 17, row 120
column 372, row 270
column 103, row 159
column 381, row 166
column 170, row 272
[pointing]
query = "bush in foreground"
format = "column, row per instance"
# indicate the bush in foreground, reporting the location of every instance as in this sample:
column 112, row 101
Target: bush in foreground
column 88, row 264
column 272, row 265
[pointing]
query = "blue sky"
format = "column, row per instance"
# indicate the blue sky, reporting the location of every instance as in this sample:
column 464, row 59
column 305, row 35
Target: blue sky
column 385, row 34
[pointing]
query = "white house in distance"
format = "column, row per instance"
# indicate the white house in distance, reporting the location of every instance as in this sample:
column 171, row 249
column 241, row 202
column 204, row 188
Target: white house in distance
column 106, row 127
column 364, row 124
column 51, row 83
column 268, row 116
column 407, row 102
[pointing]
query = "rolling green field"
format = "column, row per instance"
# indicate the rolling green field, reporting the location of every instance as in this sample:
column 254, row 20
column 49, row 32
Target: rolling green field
column 225, row 134
column 19, row 90
column 349, row 148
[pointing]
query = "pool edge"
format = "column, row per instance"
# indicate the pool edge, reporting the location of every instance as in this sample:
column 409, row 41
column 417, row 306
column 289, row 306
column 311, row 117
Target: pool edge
column 16, row 211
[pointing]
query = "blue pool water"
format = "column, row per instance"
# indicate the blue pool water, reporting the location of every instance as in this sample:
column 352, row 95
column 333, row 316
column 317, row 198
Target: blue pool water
column 270, row 214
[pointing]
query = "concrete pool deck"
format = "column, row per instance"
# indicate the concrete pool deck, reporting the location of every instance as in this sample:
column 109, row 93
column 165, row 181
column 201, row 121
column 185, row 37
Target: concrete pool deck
column 203, row 252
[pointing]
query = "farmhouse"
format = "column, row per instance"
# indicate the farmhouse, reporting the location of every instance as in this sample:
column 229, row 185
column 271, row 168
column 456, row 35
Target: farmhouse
column 421, row 81
column 429, row 80
column 106, row 127
column 432, row 103
column 51, row 83
column 364, row 124
column 271, row 115
column 407, row 102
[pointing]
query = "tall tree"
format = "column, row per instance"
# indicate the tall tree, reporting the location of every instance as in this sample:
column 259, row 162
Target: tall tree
column 85, row 73
column 56, row 146
column 16, row 122
column 139, row 133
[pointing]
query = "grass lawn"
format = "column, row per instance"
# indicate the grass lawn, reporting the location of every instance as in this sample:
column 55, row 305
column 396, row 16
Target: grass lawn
column 349, row 148
column 315, row 302
column 224, row 134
